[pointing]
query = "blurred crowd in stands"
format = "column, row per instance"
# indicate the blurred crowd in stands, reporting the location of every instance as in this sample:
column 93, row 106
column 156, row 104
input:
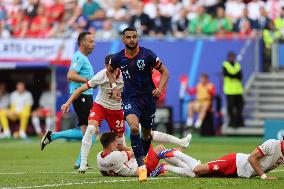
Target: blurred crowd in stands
column 153, row 18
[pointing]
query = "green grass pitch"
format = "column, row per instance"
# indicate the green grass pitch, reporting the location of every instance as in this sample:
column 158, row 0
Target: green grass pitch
column 23, row 165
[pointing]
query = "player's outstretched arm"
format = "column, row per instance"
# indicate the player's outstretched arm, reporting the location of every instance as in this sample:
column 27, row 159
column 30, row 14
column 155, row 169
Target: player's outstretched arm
column 164, row 79
column 253, row 159
column 77, row 92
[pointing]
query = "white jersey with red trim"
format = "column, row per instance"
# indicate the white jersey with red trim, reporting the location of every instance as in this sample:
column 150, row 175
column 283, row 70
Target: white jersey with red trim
column 105, row 97
column 117, row 163
column 272, row 152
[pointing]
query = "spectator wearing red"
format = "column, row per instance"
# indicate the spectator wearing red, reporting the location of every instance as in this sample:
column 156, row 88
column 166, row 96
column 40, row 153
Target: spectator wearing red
column 55, row 12
column 18, row 24
column 39, row 26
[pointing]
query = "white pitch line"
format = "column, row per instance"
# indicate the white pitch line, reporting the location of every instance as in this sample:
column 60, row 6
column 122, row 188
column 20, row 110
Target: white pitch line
column 85, row 182
column 275, row 171
column 50, row 172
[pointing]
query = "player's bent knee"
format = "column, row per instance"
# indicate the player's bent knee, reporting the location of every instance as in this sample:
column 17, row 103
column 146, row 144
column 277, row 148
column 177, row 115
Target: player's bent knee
column 134, row 130
column 159, row 148
column 93, row 122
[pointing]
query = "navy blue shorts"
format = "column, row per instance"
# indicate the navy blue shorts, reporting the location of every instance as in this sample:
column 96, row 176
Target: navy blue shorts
column 144, row 109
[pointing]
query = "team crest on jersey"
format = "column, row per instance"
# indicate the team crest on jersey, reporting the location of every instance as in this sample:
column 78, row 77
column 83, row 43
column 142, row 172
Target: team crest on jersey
column 140, row 63
column 215, row 167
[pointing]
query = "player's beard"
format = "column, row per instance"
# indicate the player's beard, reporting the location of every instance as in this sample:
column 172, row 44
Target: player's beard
column 131, row 47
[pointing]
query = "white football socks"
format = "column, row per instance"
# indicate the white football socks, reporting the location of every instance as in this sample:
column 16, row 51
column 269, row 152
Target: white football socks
column 186, row 172
column 121, row 141
column 189, row 122
column 191, row 162
column 177, row 162
column 198, row 123
column 48, row 122
column 86, row 145
column 165, row 138
column 36, row 124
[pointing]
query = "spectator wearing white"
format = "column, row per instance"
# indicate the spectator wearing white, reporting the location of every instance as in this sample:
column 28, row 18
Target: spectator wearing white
column 12, row 6
column 177, row 8
column 191, row 7
column 20, row 108
column 273, row 8
column 46, row 103
column 107, row 33
column 210, row 5
column 167, row 8
column 234, row 9
column 167, row 11
column 150, row 8
column 140, row 20
column 118, row 14
column 180, row 26
column 253, row 9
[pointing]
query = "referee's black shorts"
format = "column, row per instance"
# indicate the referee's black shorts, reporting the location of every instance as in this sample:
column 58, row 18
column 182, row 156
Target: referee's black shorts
column 82, row 106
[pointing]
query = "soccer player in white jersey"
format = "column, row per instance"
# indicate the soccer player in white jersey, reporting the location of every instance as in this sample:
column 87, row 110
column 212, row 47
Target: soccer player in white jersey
column 112, row 162
column 106, row 107
column 263, row 159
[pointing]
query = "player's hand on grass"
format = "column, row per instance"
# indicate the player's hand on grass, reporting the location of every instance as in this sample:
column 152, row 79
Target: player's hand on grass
column 65, row 108
column 157, row 92
column 116, row 94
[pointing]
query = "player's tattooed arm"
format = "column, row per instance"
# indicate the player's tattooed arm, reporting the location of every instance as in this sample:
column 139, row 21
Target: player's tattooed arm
column 164, row 80
column 254, row 159
column 77, row 92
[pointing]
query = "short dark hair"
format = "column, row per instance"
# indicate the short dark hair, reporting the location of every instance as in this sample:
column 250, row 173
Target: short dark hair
column 107, row 138
column 205, row 75
column 231, row 53
column 107, row 58
column 82, row 36
column 128, row 29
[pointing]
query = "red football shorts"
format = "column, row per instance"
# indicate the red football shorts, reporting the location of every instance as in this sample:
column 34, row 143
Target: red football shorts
column 152, row 160
column 114, row 118
column 44, row 112
column 225, row 166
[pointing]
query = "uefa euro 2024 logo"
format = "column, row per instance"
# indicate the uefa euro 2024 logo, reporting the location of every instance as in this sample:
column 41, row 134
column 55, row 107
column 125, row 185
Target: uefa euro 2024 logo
column 140, row 63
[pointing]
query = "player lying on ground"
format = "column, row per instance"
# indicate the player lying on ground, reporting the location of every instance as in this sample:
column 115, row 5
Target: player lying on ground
column 112, row 162
column 106, row 107
column 263, row 159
